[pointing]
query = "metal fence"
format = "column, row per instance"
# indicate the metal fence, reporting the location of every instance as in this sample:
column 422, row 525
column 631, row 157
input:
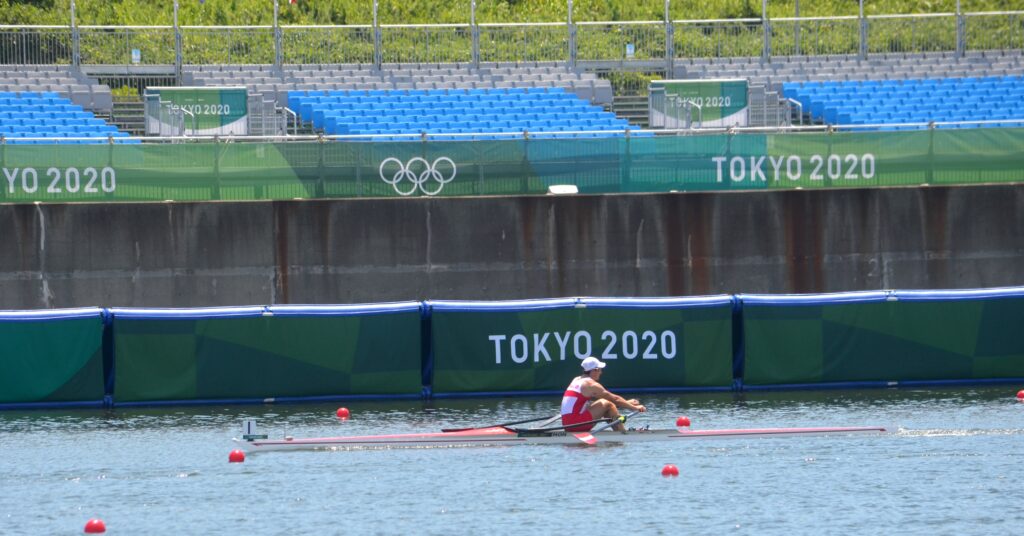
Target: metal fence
column 327, row 44
column 570, row 42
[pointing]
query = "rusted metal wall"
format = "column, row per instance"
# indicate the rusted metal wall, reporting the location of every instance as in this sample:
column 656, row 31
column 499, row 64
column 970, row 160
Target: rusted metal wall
column 375, row 250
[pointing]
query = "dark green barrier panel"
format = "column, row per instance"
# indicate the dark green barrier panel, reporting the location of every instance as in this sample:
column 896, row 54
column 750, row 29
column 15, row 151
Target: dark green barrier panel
column 880, row 337
column 243, row 353
column 980, row 325
column 332, row 169
column 484, row 347
column 51, row 356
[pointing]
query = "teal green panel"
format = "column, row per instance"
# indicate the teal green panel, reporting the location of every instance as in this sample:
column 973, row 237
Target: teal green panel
column 999, row 332
column 225, row 370
column 51, row 360
column 268, row 357
column 782, row 345
column 154, row 360
column 857, row 355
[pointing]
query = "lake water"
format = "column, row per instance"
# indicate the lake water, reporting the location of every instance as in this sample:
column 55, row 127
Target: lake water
column 956, row 466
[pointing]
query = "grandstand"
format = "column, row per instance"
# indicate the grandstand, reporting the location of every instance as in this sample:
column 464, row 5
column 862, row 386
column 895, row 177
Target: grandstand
column 400, row 100
column 51, row 104
column 990, row 101
column 907, row 91
column 828, row 71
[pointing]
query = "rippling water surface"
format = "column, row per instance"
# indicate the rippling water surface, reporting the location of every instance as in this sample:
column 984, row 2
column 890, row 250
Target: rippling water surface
column 955, row 466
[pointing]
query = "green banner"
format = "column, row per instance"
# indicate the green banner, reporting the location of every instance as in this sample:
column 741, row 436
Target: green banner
column 503, row 351
column 58, row 360
column 203, row 111
column 714, row 103
column 883, row 341
column 231, row 358
column 256, row 171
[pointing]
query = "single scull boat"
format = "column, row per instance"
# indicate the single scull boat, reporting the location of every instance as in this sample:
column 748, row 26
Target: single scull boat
column 503, row 435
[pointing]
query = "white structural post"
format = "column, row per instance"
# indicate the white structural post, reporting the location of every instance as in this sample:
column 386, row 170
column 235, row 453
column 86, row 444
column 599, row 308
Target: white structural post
column 178, row 60
column 475, row 32
column 863, row 31
column 670, row 45
column 961, row 32
column 796, row 28
column 766, row 50
column 278, row 53
column 76, row 50
column 378, row 56
column 572, row 39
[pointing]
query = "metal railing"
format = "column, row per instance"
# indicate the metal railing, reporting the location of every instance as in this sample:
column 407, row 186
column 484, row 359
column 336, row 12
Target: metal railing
column 673, row 112
column 164, row 119
column 539, row 135
column 567, row 42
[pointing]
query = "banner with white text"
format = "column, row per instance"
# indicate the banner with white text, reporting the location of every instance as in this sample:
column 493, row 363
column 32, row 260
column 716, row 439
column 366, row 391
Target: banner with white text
column 312, row 170
column 669, row 343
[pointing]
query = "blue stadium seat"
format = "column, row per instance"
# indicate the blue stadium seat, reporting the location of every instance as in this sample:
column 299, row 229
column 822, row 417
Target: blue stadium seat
column 456, row 111
column 969, row 99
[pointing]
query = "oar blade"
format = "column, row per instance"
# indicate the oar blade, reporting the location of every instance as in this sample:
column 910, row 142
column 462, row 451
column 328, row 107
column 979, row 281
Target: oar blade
column 586, row 437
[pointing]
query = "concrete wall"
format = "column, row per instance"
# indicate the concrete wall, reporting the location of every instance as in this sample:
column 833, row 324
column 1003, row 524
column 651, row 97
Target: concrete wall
column 357, row 251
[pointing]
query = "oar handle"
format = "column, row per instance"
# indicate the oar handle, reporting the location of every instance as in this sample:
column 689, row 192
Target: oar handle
column 622, row 419
column 605, row 421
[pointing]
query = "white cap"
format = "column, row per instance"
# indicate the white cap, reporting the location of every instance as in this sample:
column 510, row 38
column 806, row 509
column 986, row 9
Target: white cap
column 592, row 363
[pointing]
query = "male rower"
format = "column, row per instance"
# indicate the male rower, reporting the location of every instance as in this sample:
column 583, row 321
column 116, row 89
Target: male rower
column 587, row 400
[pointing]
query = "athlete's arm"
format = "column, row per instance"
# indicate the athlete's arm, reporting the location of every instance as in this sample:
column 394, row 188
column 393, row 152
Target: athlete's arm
column 594, row 390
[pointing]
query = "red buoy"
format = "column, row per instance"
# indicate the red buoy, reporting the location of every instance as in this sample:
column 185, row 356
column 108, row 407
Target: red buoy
column 669, row 470
column 682, row 422
column 236, row 456
column 95, row 526
column 343, row 413
column 1020, row 395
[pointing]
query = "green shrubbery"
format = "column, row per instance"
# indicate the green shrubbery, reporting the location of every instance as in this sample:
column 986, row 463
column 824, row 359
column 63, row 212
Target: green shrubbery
column 342, row 12
column 354, row 44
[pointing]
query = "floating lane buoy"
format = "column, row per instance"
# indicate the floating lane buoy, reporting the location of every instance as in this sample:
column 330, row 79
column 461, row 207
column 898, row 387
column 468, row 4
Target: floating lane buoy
column 343, row 414
column 95, row 526
column 669, row 470
column 1020, row 395
column 236, row 456
column 683, row 422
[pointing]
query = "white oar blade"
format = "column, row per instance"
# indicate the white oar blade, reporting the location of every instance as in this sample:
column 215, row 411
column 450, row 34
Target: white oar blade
column 586, row 437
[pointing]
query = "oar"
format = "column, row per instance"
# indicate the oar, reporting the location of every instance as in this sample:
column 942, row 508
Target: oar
column 542, row 430
column 547, row 419
column 588, row 437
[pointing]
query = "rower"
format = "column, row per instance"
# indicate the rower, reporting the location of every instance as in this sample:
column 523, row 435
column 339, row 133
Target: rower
column 587, row 400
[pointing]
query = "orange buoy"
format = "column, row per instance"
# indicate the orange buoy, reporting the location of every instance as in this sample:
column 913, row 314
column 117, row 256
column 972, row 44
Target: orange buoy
column 669, row 470
column 682, row 422
column 236, row 456
column 344, row 414
column 95, row 526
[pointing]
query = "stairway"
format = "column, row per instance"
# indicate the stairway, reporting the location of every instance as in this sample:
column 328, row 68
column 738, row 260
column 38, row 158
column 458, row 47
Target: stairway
column 129, row 115
column 632, row 108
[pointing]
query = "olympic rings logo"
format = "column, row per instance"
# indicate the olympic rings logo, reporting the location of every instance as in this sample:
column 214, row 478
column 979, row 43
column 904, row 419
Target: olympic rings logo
column 417, row 174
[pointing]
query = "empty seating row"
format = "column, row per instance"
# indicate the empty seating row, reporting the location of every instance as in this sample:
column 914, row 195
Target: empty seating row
column 44, row 117
column 779, row 70
column 465, row 111
column 266, row 80
column 968, row 100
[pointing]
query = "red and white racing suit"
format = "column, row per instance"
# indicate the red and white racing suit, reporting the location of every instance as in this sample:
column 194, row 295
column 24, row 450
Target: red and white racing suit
column 576, row 407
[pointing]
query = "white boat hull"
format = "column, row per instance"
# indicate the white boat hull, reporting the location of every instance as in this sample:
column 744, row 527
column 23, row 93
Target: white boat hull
column 503, row 436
